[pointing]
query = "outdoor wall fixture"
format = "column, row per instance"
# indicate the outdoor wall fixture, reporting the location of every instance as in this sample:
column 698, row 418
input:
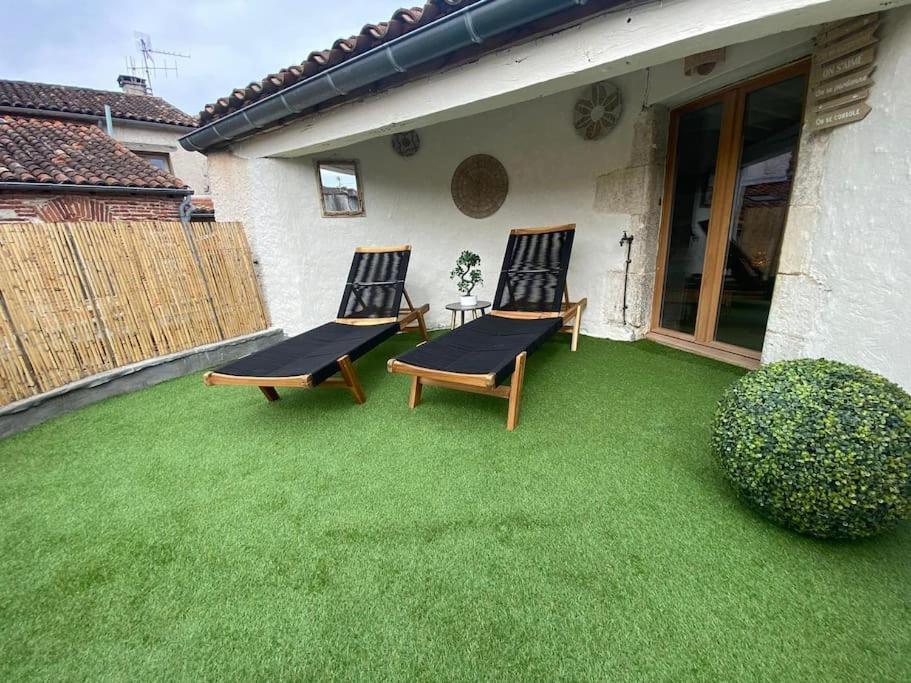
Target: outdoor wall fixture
column 406, row 144
column 597, row 115
column 479, row 186
column 703, row 63
column 628, row 241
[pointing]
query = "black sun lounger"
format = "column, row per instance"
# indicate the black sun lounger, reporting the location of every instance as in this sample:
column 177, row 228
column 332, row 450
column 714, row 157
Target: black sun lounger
column 531, row 305
column 371, row 312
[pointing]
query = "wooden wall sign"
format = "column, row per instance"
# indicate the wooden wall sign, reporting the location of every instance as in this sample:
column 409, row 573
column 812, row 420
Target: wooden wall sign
column 843, row 64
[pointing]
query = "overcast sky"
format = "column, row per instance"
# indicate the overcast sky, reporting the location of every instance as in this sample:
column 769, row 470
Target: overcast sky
column 231, row 42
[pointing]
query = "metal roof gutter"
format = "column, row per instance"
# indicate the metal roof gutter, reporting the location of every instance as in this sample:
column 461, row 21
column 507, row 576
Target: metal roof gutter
column 101, row 189
column 470, row 25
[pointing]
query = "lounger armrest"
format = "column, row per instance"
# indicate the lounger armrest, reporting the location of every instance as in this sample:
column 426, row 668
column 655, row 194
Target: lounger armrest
column 487, row 381
column 301, row 381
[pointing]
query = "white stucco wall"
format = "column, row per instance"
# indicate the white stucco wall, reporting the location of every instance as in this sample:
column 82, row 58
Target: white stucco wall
column 844, row 291
column 552, row 172
column 190, row 167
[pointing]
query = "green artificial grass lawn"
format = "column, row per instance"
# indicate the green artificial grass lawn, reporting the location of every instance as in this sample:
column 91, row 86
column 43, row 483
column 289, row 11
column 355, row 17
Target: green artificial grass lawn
column 186, row 532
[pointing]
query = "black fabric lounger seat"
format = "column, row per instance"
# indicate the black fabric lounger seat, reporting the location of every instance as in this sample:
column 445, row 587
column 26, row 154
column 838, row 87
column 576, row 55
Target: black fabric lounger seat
column 314, row 353
column 488, row 345
column 530, row 305
column 370, row 312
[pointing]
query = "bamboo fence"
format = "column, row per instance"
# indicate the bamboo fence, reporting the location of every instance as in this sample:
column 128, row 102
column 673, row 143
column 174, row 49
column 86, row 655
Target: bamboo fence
column 80, row 298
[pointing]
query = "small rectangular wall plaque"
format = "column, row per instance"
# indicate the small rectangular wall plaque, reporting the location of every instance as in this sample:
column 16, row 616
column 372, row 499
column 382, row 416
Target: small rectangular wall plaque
column 845, row 65
column 843, row 101
column 839, row 117
column 839, row 86
column 847, row 46
column 841, row 29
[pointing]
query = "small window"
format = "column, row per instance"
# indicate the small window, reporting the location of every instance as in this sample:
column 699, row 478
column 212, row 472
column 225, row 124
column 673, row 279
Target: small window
column 159, row 160
column 341, row 190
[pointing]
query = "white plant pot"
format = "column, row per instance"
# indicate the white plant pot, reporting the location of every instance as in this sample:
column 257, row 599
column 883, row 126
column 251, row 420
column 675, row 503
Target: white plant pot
column 470, row 300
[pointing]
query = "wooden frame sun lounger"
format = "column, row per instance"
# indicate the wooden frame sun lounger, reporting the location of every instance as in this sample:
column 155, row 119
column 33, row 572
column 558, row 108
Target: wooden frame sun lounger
column 531, row 304
column 371, row 311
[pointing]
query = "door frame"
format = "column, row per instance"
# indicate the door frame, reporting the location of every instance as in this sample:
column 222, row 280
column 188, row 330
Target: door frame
column 733, row 99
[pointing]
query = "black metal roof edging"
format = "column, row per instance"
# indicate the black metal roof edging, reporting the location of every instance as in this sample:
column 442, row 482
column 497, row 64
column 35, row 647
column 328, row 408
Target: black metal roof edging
column 472, row 24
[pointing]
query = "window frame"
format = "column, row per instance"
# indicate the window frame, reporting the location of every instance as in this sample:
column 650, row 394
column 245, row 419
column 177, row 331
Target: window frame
column 362, row 211
column 733, row 99
column 145, row 155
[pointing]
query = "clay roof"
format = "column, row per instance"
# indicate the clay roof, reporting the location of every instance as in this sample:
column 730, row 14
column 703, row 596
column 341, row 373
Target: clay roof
column 203, row 203
column 370, row 36
column 46, row 150
column 202, row 208
column 74, row 100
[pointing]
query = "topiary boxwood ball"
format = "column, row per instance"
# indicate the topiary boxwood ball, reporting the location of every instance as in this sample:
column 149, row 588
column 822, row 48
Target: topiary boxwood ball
column 818, row 446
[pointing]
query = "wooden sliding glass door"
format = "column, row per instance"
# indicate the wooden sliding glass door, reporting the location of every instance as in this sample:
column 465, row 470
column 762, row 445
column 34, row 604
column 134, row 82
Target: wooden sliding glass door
column 730, row 170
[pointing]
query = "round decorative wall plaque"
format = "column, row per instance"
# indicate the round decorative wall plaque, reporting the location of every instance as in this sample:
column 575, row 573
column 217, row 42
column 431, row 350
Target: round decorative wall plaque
column 596, row 115
column 479, row 186
column 406, row 144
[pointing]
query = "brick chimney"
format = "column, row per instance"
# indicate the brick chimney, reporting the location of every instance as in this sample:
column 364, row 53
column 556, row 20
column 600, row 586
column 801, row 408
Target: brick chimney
column 132, row 85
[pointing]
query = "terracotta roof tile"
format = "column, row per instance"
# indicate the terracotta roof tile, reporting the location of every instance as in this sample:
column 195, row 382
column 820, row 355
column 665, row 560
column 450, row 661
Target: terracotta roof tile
column 45, row 150
column 370, row 36
column 70, row 99
column 203, row 203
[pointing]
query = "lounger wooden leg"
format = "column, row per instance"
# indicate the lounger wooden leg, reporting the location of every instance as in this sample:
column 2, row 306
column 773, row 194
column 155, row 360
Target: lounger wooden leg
column 515, row 392
column 270, row 393
column 577, row 326
column 351, row 379
column 422, row 324
column 414, row 398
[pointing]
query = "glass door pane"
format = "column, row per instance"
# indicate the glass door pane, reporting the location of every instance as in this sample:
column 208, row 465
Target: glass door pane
column 771, row 131
column 698, row 133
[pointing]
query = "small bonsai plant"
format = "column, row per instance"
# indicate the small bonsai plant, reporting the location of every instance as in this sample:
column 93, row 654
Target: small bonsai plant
column 467, row 275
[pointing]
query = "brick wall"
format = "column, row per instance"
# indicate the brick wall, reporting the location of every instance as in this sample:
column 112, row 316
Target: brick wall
column 40, row 207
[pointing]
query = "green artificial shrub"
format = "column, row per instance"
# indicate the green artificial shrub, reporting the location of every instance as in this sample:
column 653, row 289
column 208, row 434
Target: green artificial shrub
column 818, row 446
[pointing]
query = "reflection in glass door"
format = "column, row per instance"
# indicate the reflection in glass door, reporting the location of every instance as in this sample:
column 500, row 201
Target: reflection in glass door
column 730, row 172
column 694, row 176
column 768, row 144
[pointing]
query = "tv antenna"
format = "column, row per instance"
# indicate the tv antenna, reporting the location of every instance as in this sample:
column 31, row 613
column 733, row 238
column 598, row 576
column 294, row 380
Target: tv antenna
column 147, row 66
